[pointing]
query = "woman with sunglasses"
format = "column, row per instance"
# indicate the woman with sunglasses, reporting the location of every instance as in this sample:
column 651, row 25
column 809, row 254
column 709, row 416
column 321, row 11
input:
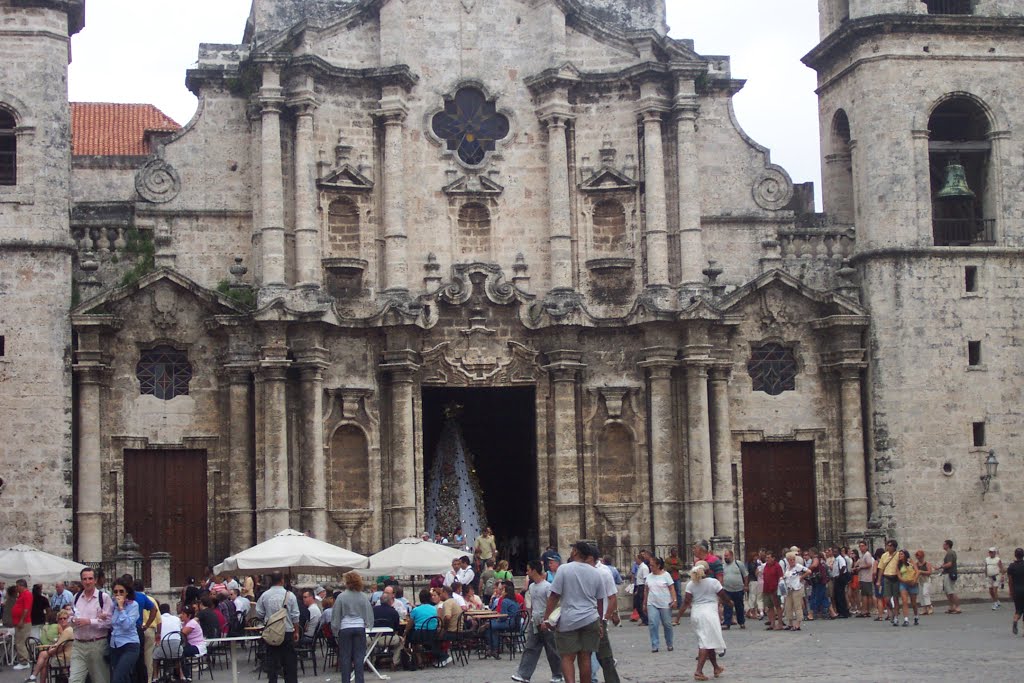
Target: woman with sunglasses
column 61, row 649
column 124, row 636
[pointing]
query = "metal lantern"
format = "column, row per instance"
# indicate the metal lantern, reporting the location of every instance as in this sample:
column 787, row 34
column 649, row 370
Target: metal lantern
column 991, row 465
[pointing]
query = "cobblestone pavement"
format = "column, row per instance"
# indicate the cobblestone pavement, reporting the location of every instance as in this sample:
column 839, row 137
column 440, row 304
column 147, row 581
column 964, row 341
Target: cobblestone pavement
column 942, row 648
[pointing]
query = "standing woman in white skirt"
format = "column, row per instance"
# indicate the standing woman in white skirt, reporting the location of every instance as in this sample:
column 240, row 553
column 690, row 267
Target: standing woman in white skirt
column 703, row 594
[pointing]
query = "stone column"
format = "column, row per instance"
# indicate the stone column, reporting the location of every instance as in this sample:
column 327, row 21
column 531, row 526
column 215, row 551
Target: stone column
column 401, row 368
column 89, row 508
column 391, row 114
column 665, row 497
column 564, row 366
column 273, row 369
column 240, row 493
column 271, row 182
column 307, row 225
column 854, row 482
column 699, row 504
column 691, row 240
column 721, row 449
column 656, row 223
column 314, row 467
column 559, row 209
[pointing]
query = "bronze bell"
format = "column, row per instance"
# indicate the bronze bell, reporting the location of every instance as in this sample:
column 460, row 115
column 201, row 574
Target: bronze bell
column 956, row 183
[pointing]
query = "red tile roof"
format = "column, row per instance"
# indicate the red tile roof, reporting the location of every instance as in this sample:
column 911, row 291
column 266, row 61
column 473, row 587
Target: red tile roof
column 107, row 129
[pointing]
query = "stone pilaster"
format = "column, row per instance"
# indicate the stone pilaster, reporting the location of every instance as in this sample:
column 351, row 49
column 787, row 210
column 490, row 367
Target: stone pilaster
column 240, row 493
column 559, row 216
column 665, row 493
column 721, row 450
column 391, row 114
column 273, row 369
column 90, row 373
column 271, row 181
column 656, row 222
column 854, row 479
column 312, row 362
column 691, row 239
column 699, row 511
column 401, row 369
column 307, row 225
column 565, row 366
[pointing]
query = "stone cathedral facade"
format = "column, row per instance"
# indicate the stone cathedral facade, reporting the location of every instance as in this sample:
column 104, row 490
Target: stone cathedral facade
column 541, row 216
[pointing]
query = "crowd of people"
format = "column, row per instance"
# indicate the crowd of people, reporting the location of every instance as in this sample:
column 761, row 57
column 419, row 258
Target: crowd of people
column 118, row 633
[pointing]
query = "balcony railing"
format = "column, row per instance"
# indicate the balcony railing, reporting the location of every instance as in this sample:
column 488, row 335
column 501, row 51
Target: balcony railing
column 952, row 232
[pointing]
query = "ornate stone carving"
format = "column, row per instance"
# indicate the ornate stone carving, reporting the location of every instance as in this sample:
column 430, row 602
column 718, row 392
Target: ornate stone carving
column 480, row 360
column 157, row 182
column 460, row 289
column 773, row 189
column 165, row 315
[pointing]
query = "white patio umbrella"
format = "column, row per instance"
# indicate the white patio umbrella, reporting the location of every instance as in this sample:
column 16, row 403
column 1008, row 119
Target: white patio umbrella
column 35, row 566
column 412, row 557
column 294, row 552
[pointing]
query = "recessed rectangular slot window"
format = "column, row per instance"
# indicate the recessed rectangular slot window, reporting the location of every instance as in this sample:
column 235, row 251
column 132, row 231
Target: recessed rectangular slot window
column 2, row 349
column 971, row 279
column 979, row 433
column 974, row 353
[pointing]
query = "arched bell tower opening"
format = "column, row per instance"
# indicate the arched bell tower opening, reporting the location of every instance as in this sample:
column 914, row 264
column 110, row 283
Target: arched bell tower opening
column 960, row 161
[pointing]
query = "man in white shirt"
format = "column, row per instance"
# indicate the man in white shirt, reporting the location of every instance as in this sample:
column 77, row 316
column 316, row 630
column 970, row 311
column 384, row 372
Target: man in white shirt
column 464, row 574
column 452, row 575
column 457, row 595
column 537, row 639
column 579, row 590
column 309, row 632
column 840, row 580
column 242, row 603
column 168, row 634
column 639, row 586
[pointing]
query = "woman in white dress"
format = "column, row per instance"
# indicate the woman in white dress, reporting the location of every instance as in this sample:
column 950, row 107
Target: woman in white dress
column 703, row 594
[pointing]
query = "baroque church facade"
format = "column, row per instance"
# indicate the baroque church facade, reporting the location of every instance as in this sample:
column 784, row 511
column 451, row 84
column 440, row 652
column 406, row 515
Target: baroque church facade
column 541, row 217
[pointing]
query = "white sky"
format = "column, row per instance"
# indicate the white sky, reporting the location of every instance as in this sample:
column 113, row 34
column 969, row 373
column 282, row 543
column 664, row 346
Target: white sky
column 138, row 51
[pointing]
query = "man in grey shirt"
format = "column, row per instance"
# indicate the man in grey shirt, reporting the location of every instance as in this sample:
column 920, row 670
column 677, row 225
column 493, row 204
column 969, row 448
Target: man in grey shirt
column 280, row 656
column 734, row 581
column 580, row 590
column 537, row 639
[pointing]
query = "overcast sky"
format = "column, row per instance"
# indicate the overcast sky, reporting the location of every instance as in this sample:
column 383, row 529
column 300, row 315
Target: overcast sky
column 138, row 51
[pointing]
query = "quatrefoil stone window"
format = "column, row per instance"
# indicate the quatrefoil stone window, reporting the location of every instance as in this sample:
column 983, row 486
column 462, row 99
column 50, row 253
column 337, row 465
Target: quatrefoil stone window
column 470, row 125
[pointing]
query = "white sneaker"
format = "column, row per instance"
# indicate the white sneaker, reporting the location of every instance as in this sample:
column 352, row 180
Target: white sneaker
column 557, row 679
column 517, row 677
column 995, row 606
column 19, row 667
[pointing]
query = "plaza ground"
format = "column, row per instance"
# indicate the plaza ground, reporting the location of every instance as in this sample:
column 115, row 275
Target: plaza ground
column 942, row 648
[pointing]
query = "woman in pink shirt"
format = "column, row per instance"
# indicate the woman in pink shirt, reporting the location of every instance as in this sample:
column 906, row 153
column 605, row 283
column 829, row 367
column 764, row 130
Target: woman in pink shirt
column 195, row 642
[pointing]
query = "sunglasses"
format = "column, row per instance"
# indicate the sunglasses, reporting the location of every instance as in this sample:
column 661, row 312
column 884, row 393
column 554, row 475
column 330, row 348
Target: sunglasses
column 120, row 592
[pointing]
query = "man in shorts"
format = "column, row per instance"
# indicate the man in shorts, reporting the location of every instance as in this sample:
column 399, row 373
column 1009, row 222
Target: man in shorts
column 889, row 579
column 865, row 568
column 579, row 589
column 949, row 577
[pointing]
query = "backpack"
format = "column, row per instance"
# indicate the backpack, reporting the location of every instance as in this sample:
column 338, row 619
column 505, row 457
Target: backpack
column 273, row 632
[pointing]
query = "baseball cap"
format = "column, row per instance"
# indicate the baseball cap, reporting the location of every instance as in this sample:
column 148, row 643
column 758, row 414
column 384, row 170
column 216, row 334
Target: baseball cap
column 993, row 549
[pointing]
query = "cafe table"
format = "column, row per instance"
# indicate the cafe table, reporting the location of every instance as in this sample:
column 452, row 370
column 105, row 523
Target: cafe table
column 232, row 641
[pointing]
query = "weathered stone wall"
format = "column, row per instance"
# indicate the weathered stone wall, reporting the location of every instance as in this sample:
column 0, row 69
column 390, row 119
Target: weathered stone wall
column 35, row 285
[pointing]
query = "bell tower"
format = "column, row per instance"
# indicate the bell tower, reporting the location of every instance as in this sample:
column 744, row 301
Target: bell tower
column 35, row 273
column 921, row 124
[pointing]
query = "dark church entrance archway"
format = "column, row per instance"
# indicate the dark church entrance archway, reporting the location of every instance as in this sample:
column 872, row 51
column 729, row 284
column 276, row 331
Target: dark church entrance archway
column 498, row 426
column 779, row 501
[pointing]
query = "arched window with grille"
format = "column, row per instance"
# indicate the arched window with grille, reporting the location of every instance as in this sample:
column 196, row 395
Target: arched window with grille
column 8, row 149
column 772, row 368
column 164, row 372
column 474, row 230
column 343, row 228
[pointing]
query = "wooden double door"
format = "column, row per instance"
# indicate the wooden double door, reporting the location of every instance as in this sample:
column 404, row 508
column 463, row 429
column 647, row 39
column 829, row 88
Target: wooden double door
column 165, row 508
column 779, row 499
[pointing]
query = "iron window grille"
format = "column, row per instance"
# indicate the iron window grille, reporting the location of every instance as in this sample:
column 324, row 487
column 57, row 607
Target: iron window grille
column 773, row 368
column 164, row 372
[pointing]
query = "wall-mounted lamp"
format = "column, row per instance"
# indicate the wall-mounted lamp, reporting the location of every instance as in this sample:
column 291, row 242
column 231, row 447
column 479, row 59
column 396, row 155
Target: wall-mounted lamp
column 991, row 467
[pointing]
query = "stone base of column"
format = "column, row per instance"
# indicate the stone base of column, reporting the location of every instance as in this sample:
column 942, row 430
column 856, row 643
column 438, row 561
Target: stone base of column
column 270, row 522
column 403, row 523
column 90, row 536
column 568, row 524
column 314, row 521
column 720, row 544
column 852, row 538
column 689, row 290
column 661, row 297
column 269, row 292
column 702, row 520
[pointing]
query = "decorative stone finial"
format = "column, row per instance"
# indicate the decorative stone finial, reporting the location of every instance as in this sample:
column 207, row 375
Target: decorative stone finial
column 238, row 270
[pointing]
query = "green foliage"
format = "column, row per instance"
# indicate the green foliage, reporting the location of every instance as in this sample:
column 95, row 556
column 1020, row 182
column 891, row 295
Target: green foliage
column 243, row 296
column 140, row 245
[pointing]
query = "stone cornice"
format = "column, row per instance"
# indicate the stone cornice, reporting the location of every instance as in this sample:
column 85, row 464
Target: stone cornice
column 837, row 44
column 75, row 10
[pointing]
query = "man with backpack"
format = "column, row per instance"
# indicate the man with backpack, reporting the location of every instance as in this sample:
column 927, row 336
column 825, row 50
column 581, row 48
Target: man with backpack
column 92, row 611
column 279, row 610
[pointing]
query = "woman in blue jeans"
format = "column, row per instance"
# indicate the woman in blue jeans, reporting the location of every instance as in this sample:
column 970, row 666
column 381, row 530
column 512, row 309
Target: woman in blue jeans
column 509, row 606
column 659, row 600
column 124, row 636
column 351, row 616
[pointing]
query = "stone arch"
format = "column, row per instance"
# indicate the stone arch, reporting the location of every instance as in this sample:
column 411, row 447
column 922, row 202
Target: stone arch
column 997, row 117
column 349, row 469
column 474, row 230
column 343, row 228
column 609, row 233
column 616, row 478
column 839, row 170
